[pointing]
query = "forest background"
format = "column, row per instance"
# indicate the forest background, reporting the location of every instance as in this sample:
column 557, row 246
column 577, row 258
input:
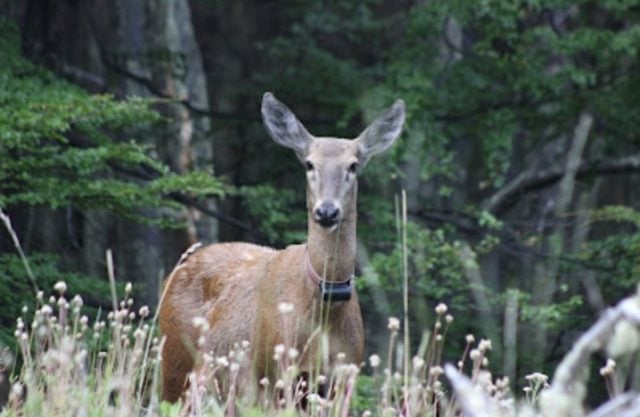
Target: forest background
column 135, row 126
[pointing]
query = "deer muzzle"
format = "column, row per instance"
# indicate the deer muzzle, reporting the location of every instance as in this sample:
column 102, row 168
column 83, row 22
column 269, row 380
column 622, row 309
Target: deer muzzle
column 327, row 214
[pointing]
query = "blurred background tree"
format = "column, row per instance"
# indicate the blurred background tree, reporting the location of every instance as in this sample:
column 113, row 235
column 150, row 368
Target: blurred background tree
column 520, row 155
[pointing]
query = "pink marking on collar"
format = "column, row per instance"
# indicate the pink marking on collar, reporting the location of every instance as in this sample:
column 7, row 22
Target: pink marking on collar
column 316, row 278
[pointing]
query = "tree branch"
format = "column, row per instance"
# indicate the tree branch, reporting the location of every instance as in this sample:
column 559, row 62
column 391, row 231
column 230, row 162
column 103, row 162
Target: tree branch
column 526, row 182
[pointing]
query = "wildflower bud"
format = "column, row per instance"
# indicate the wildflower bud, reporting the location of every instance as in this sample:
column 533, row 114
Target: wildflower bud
column 138, row 333
column 77, row 301
column 470, row 338
column 341, row 357
column 293, row 353
column 441, row 309
column 436, row 371
column 484, row 345
column 280, row 384
column 234, row 367
column 17, row 393
column 25, row 309
column 144, row 311
column 438, row 338
column 394, row 324
column 60, row 286
column 418, row 363
column 374, row 361
column 448, row 318
column 245, row 344
column 200, row 323
column 40, row 295
column 475, row 354
column 285, row 308
column 485, row 361
column 537, row 378
column 128, row 288
column 322, row 379
column 264, row 382
column 503, row 383
column 278, row 351
column 222, row 361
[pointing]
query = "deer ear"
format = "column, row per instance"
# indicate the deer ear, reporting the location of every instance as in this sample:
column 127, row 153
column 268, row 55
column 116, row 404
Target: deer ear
column 283, row 126
column 383, row 132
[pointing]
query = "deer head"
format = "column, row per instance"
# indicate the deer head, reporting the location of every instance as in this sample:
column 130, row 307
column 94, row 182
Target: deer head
column 332, row 164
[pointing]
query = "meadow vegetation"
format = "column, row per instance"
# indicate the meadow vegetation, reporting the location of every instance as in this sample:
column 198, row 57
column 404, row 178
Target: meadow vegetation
column 70, row 364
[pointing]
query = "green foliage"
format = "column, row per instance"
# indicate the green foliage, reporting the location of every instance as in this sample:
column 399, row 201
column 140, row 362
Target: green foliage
column 365, row 393
column 271, row 208
column 54, row 148
column 617, row 214
column 552, row 316
column 436, row 272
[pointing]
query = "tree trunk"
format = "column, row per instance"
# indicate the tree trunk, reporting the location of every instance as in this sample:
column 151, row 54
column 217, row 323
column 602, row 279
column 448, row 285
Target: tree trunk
column 546, row 272
column 144, row 48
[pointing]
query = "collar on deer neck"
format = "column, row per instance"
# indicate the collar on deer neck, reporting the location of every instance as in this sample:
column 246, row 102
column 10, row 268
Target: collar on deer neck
column 331, row 290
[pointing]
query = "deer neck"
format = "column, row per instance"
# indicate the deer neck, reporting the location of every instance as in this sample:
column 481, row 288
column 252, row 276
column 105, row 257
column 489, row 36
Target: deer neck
column 333, row 252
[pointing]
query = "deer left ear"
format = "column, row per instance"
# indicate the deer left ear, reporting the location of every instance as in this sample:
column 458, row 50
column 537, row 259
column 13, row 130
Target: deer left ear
column 284, row 127
column 383, row 132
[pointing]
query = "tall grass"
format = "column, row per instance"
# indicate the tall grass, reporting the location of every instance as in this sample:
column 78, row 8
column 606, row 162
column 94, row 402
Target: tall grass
column 73, row 365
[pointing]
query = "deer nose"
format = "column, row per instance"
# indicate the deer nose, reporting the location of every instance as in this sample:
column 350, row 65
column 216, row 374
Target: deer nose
column 327, row 214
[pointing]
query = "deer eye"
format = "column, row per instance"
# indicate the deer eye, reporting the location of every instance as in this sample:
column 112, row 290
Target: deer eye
column 353, row 168
column 308, row 165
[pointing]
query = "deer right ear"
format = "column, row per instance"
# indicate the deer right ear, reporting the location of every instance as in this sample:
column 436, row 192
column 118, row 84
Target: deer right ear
column 383, row 132
column 283, row 126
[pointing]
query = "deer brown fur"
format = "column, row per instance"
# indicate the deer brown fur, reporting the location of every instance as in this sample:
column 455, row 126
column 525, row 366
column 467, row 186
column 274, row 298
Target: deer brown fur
column 238, row 287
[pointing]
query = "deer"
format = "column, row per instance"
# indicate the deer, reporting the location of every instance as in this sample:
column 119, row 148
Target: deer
column 238, row 287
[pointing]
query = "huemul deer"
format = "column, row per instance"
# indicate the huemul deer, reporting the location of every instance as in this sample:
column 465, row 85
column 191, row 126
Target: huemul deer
column 238, row 287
